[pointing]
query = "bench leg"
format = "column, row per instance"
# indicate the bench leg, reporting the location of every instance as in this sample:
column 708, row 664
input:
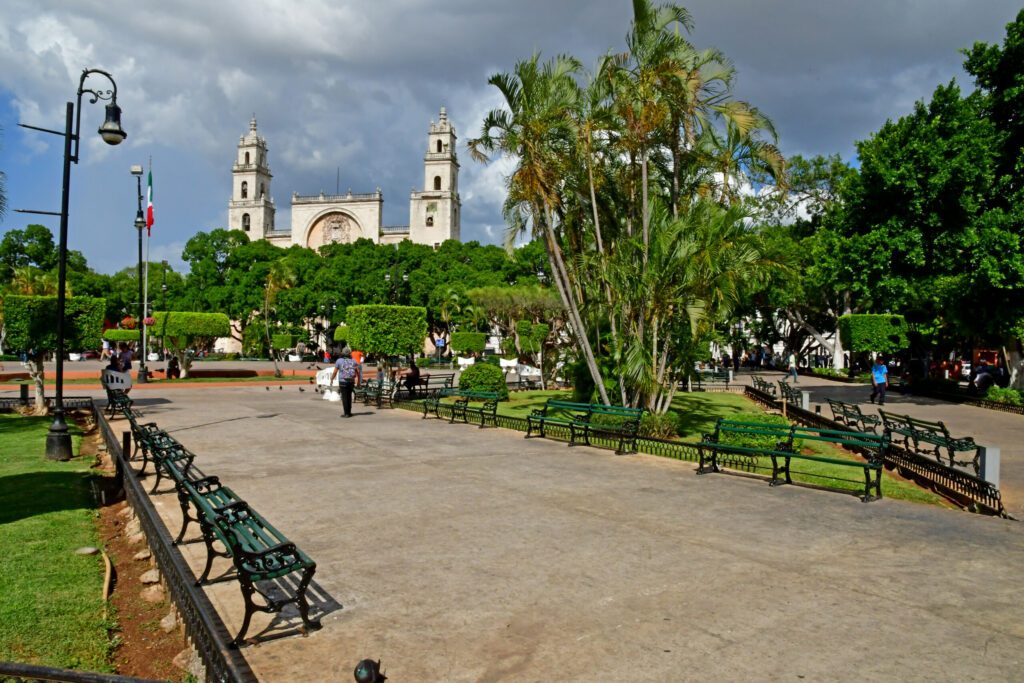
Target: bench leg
column 776, row 469
column 186, row 519
column 211, row 552
column 248, row 590
column 706, row 458
column 303, row 604
column 869, row 484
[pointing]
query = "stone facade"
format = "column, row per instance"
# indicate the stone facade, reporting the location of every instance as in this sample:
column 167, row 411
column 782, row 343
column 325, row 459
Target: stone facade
column 434, row 212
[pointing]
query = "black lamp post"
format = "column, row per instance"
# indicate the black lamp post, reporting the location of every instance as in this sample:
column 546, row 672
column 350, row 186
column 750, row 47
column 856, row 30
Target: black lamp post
column 140, row 223
column 58, row 439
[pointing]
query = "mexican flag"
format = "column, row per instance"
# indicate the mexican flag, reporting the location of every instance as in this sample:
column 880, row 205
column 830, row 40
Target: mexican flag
column 149, row 205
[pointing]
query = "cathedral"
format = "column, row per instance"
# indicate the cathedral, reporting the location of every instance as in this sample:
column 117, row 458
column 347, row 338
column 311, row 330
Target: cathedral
column 324, row 219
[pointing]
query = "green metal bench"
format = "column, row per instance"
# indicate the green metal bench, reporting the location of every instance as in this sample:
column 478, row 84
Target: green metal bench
column 578, row 417
column 487, row 410
column 431, row 402
column 260, row 553
column 624, row 425
column 789, row 394
column 872, row 446
column 765, row 387
column 378, row 392
column 850, row 414
column 702, row 377
column 935, row 435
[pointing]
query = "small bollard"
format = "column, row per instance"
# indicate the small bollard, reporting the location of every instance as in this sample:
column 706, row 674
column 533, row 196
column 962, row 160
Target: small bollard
column 990, row 465
column 805, row 400
column 23, row 394
column 730, row 377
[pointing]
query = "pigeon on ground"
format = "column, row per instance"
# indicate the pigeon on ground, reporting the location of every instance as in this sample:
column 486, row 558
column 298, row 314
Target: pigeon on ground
column 280, row 388
column 301, row 389
column 267, row 388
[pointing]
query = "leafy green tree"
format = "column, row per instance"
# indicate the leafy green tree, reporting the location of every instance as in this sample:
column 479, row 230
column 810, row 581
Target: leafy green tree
column 32, row 246
column 997, row 276
column 387, row 330
column 31, row 327
column 469, row 342
column 183, row 332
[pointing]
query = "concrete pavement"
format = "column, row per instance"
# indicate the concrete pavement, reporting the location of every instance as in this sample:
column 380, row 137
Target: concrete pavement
column 460, row 554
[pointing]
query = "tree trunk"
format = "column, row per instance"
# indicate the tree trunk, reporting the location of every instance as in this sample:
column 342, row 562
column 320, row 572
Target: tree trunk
column 1014, row 354
column 185, row 361
column 37, row 372
column 561, row 278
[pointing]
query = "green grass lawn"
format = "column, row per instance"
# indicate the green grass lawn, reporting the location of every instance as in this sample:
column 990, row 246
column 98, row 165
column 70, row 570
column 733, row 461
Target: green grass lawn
column 51, row 610
column 698, row 412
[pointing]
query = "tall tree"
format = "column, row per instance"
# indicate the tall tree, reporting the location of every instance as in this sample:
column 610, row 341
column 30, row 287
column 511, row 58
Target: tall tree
column 535, row 127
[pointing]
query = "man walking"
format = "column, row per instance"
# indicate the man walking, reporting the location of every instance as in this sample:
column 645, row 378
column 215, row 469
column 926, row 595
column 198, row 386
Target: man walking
column 879, row 380
column 349, row 375
column 791, row 361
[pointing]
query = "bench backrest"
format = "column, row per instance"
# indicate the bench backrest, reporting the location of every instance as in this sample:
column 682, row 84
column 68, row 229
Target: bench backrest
column 787, row 435
column 617, row 411
column 478, row 395
column 112, row 379
column 906, row 422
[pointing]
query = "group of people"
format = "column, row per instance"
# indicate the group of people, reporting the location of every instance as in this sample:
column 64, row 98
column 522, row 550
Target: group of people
column 120, row 358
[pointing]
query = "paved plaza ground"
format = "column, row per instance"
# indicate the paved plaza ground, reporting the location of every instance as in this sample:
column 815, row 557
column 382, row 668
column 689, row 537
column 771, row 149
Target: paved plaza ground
column 460, row 554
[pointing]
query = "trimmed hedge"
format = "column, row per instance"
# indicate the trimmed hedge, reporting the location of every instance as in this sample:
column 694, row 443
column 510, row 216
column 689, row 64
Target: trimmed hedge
column 387, row 330
column 468, row 342
column 873, row 333
column 31, row 322
column 483, row 377
column 283, row 340
column 189, row 324
column 342, row 333
column 116, row 335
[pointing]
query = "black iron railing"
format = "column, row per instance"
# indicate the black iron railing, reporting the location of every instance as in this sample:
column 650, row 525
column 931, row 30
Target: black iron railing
column 15, row 672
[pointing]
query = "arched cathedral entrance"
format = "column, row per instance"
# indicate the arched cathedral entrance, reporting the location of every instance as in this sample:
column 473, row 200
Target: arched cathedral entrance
column 333, row 228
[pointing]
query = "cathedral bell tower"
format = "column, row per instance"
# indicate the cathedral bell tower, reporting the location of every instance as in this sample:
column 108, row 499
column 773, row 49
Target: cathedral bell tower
column 434, row 212
column 251, row 208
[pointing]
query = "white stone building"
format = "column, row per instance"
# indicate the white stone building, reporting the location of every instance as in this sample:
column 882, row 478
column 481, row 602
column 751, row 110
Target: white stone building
column 434, row 212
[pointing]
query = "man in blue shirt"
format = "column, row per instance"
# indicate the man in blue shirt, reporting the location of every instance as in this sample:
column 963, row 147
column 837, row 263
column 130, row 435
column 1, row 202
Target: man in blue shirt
column 349, row 374
column 879, row 380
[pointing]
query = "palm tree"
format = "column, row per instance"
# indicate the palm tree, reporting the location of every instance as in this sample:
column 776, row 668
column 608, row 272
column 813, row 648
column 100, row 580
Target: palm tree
column 281, row 276
column 734, row 153
column 535, row 126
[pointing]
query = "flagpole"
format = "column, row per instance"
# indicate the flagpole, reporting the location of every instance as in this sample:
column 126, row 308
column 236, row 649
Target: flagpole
column 145, row 302
column 145, row 278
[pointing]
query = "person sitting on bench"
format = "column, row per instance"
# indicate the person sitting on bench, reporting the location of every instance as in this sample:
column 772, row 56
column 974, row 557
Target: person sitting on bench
column 173, row 368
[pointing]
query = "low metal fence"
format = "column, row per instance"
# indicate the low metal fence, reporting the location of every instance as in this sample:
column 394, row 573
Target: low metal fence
column 961, row 487
column 203, row 626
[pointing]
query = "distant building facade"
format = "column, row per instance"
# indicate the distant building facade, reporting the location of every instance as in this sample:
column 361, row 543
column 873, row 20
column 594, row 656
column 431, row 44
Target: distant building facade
column 434, row 212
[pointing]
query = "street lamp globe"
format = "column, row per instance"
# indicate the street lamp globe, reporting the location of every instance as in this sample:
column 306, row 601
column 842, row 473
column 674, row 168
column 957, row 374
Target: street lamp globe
column 111, row 130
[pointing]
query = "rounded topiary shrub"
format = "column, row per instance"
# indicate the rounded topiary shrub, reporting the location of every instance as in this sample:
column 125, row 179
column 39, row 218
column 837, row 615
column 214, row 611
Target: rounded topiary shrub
column 484, row 377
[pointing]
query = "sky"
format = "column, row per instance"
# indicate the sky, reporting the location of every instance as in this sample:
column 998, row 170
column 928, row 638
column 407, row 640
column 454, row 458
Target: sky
column 346, row 87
